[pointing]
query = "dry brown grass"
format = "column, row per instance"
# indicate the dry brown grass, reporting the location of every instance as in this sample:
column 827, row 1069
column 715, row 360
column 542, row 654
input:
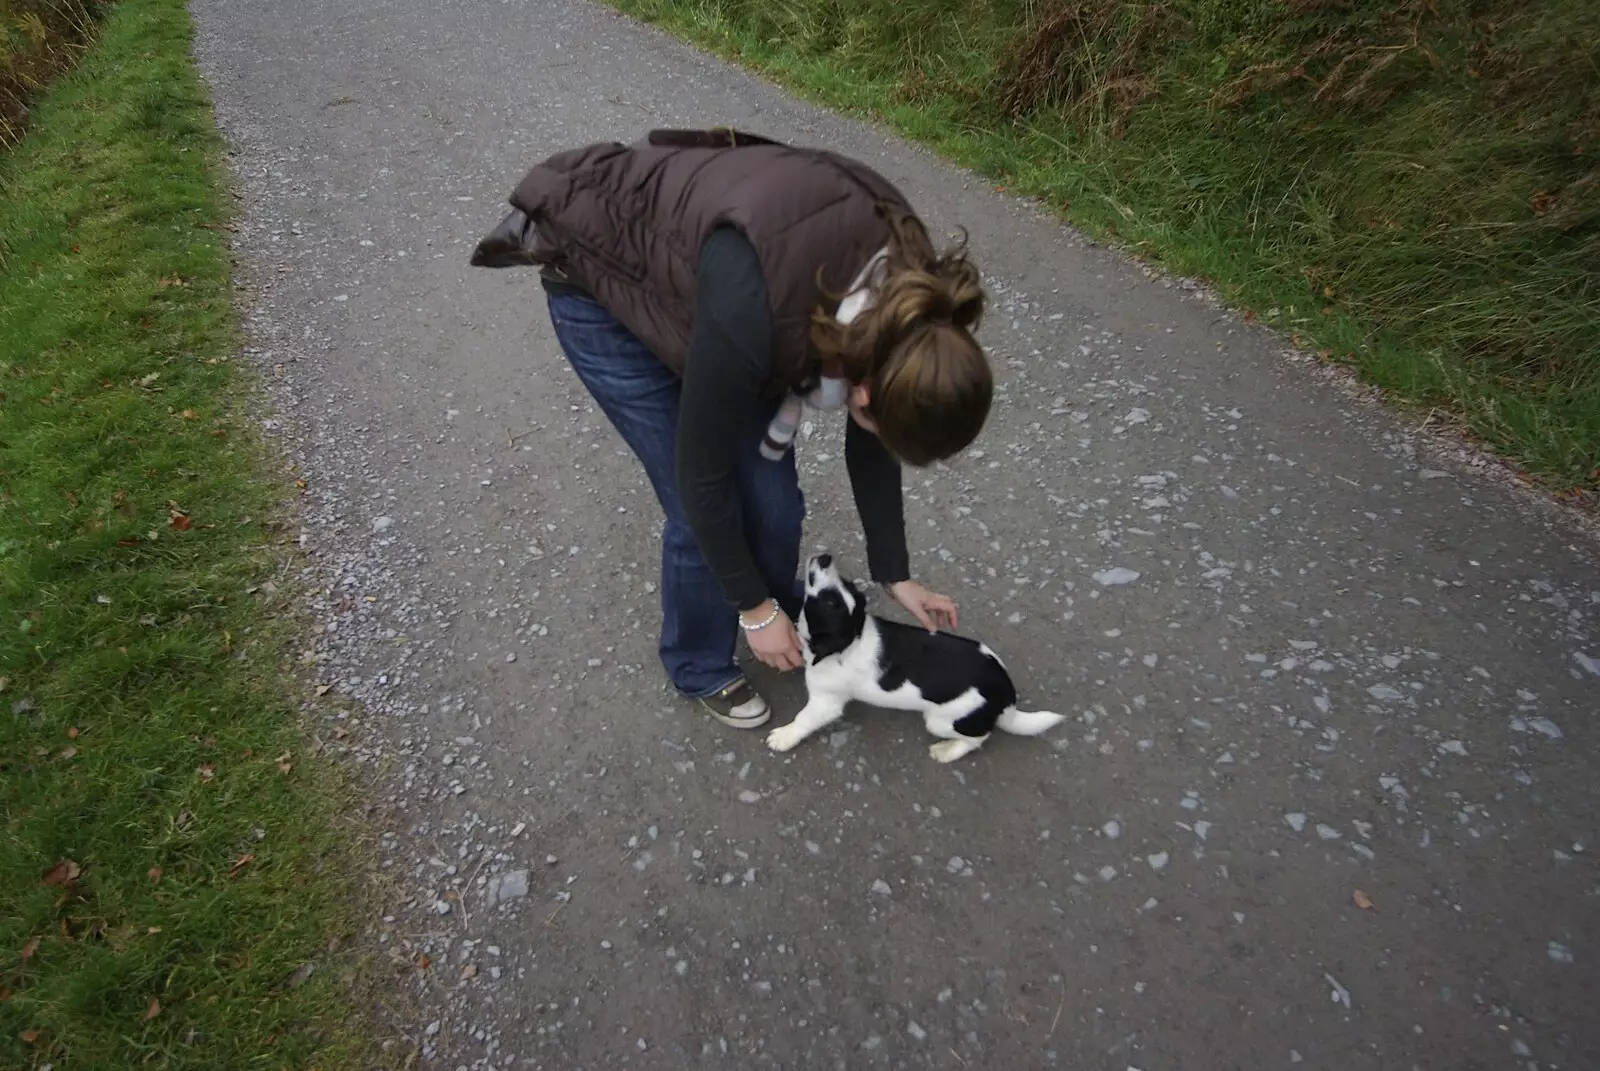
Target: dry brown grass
column 1090, row 58
column 39, row 39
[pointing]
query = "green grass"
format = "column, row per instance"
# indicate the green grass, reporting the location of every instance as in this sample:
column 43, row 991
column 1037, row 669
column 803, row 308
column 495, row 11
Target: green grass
column 1411, row 190
column 149, row 742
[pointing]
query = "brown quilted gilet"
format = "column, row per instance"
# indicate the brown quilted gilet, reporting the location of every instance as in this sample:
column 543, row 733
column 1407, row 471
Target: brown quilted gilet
column 626, row 223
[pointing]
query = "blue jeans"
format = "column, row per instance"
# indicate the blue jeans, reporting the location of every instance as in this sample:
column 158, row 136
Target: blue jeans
column 639, row 395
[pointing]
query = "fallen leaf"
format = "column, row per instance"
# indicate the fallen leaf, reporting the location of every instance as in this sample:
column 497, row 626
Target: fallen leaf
column 423, row 962
column 240, row 863
column 152, row 1010
column 72, row 734
column 29, row 949
column 29, row 1036
column 207, row 771
column 189, row 414
column 284, row 765
column 149, row 379
column 1362, row 900
column 1542, row 202
column 170, row 280
column 324, row 689
column 154, row 873
column 469, row 971
column 152, row 931
column 185, row 819
column 179, row 520
column 68, row 752
column 63, row 873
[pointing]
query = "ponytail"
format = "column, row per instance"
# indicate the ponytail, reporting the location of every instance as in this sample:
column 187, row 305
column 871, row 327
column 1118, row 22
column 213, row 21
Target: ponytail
column 913, row 347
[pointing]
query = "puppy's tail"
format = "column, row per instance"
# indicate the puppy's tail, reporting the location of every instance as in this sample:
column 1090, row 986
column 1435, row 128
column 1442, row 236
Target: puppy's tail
column 1029, row 722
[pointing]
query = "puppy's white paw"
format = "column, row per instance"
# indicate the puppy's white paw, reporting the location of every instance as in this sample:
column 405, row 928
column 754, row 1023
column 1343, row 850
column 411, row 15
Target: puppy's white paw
column 951, row 750
column 784, row 737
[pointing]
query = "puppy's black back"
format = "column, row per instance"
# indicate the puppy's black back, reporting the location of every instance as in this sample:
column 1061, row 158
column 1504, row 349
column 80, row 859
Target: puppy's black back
column 942, row 665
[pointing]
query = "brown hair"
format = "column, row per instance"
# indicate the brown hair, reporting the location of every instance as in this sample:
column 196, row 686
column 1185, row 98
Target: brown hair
column 929, row 381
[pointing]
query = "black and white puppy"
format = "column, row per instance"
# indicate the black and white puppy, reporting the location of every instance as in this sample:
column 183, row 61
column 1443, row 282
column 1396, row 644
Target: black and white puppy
column 959, row 686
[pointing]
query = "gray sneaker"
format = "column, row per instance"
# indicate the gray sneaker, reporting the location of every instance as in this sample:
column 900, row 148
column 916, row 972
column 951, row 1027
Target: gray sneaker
column 738, row 705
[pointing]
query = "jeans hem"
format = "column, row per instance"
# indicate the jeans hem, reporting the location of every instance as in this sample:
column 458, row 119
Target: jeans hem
column 709, row 691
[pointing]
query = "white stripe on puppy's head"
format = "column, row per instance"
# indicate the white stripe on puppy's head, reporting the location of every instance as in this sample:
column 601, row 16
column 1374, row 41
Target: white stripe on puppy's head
column 822, row 574
column 834, row 613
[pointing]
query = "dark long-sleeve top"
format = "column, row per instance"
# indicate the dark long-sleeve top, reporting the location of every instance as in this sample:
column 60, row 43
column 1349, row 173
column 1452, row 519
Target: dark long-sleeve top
column 723, row 411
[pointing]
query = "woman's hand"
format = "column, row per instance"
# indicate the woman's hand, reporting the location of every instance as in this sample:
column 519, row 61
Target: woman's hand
column 932, row 610
column 778, row 645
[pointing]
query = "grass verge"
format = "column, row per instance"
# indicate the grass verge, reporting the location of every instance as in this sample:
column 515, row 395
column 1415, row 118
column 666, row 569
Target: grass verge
column 173, row 884
column 1411, row 190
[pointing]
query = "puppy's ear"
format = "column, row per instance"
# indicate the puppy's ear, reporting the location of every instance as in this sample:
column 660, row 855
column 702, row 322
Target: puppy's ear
column 829, row 624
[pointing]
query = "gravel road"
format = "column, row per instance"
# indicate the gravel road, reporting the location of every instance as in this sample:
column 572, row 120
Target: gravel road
column 1327, row 794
